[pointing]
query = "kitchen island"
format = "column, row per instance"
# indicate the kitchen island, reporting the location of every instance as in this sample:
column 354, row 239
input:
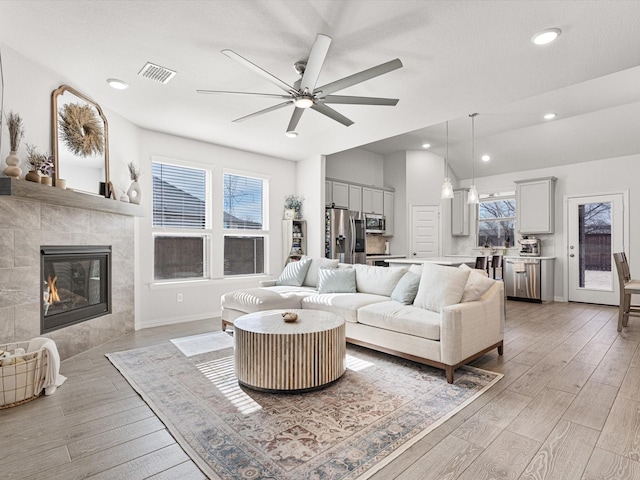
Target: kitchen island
column 452, row 260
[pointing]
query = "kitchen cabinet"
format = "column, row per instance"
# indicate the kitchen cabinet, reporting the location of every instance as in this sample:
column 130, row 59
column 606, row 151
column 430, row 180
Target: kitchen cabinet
column 387, row 206
column 328, row 193
column 355, row 198
column 340, row 195
column 372, row 201
column 294, row 240
column 535, row 205
column 460, row 213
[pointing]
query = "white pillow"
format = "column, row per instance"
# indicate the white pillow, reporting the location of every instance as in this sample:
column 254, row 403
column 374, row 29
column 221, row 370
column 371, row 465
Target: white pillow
column 416, row 268
column 336, row 280
column 378, row 280
column 294, row 273
column 440, row 286
column 311, row 279
column 477, row 284
column 406, row 289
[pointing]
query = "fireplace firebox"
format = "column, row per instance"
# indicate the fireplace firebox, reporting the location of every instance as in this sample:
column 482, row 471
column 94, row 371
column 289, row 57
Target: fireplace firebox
column 75, row 284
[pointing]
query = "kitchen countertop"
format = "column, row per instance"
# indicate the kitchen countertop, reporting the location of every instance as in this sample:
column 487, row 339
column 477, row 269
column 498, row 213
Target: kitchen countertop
column 449, row 260
column 384, row 256
column 518, row 257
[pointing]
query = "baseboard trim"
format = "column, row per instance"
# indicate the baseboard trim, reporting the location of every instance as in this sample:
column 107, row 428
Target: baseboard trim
column 176, row 320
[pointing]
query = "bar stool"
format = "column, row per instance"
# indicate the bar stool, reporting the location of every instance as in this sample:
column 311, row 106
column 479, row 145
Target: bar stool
column 496, row 263
column 628, row 287
column 482, row 263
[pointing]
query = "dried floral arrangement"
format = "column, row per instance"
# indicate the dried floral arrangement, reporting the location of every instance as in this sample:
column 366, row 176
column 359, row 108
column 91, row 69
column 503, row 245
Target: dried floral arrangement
column 39, row 162
column 293, row 202
column 81, row 129
column 16, row 130
column 134, row 171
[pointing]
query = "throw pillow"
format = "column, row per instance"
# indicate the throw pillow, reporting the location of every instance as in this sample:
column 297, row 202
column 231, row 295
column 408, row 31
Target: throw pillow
column 311, row 279
column 334, row 280
column 294, row 273
column 440, row 286
column 406, row 289
column 378, row 280
column 477, row 285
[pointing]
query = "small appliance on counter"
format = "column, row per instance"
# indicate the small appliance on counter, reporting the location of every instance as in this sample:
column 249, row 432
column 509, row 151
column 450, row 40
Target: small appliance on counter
column 529, row 246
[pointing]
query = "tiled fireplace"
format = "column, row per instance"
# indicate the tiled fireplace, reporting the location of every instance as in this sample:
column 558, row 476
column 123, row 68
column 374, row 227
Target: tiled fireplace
column 28, row 224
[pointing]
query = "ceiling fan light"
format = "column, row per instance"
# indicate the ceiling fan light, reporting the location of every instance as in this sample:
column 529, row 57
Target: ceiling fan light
column 473, row 198
column 291, row 134
column 447, row 189
column 303, row 101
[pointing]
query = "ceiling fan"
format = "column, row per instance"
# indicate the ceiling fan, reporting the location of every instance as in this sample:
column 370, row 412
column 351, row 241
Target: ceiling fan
column 304, row 94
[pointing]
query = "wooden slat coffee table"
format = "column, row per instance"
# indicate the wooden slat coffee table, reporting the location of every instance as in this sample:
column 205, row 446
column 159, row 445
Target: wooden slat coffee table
column 275, row 356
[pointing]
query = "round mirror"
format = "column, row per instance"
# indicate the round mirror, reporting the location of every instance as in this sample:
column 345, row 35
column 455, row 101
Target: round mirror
column 80, row 141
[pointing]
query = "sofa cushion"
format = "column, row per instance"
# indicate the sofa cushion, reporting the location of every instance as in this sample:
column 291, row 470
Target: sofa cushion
column 406, row 289
column 332, row 280
column 311, row 279
column 477, row 284
column 294, row 273
column 377, row 280
column 401, row 318
column 251, row 300
column 440, row 286
column 345, row 305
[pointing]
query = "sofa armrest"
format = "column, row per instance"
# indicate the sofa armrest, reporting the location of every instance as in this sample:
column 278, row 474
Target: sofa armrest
column 267, row 283
column 470, row 327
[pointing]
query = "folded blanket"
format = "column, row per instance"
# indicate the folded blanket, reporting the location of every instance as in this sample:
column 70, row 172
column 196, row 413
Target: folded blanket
column 52, row 377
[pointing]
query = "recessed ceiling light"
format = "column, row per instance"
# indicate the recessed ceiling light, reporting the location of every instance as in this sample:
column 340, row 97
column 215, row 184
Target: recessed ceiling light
column 486, row 158
column 426, row 145
column 550, row 116
column 291, row 134
column 546, row 36
column 117, row 84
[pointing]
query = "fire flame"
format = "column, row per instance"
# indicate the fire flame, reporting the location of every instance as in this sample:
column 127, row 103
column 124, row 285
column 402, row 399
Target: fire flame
column 53, row 291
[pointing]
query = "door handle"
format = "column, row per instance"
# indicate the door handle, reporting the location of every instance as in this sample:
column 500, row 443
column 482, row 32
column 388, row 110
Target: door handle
column 571, row 255
column 414, row 254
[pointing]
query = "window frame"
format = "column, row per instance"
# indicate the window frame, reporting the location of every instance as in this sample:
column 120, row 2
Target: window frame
column 493, row 196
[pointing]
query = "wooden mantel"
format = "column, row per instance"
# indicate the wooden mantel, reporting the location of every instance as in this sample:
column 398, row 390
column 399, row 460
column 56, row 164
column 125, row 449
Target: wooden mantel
column 20, row 188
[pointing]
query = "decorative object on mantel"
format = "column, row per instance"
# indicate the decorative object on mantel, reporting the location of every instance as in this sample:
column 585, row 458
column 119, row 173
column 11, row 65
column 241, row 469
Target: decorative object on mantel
column 81, row 129
column 41, row 165
column 61, row 183
column 134, row 192
column 292, row 206
column 16, row 132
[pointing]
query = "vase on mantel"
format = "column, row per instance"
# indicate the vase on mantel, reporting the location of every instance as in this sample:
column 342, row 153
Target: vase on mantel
column 13, row 170
column 135, row 193
column 32, row 176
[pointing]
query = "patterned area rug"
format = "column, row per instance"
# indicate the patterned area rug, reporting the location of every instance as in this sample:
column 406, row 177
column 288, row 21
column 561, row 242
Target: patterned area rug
column 349, row 430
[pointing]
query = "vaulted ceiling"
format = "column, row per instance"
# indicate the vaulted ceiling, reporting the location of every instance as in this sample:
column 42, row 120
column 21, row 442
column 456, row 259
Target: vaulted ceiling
column 459, row 57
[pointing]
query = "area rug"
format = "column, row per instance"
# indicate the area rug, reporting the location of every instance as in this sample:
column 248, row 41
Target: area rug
column 380, row 407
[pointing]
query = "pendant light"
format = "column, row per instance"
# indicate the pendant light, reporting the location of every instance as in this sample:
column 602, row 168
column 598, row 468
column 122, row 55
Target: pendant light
column 473, row 197
column 447, row 188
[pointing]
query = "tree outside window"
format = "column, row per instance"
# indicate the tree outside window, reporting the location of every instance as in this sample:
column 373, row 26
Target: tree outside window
column 496, row 219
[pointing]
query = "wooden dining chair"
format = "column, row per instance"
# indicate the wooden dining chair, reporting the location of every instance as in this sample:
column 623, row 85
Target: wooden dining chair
column 628, row 287
column 496, row 264
column 482, row 263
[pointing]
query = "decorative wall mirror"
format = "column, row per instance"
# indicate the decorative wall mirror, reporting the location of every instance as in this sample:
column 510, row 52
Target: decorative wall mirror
column 80, row 141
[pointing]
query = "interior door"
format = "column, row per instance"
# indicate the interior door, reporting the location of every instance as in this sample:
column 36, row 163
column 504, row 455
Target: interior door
column 595, row 230
column 425, row 231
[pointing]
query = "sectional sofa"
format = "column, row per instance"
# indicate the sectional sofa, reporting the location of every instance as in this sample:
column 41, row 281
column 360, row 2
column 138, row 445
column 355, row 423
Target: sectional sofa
column 437, row 315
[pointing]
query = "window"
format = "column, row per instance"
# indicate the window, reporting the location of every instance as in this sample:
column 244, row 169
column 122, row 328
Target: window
column 181, row 227
column 496, row 219
column 244, row 229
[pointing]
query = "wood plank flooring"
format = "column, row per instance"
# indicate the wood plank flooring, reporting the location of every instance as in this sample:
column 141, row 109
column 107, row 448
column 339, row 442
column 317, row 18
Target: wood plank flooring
column 567, row 408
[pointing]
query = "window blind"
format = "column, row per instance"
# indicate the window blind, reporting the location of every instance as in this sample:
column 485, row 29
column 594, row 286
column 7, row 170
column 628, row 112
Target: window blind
column 243, row 202
column 179, row 197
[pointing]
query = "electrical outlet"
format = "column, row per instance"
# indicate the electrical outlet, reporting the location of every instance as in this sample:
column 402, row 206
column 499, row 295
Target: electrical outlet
column 179, row 297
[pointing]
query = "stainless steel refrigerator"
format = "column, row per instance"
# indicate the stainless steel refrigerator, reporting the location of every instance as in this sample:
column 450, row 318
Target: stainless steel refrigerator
column 344, row 236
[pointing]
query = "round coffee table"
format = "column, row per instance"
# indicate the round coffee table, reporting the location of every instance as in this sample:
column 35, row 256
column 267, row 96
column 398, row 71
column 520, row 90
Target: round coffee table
column 275, row 356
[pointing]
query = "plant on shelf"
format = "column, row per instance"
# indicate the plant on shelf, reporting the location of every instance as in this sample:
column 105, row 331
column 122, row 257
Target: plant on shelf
column 293, row 203
column 39, row 164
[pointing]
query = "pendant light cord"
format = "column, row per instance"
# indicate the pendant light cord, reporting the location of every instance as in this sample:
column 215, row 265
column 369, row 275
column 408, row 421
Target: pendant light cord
column 446, row 158
column 473, row 148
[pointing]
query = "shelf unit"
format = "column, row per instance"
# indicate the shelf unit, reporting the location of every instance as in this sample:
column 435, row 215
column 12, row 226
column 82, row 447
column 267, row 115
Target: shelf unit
column 294, row 240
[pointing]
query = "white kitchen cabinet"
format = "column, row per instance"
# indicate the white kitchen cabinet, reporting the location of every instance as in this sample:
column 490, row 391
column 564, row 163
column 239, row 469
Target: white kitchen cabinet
column 460, row 213
column 372, row 200
column 388, row 198
column 328, row 193
column 355, row 198
column 535, row 205
column 340, row 194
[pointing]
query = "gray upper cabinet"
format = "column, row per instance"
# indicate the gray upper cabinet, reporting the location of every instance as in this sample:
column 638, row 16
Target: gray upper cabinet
column 340, row 195
column 372, row 201
column 328, row 193
column 460, row 213
column 355, row 198
column 388, row 213
column 535, row 205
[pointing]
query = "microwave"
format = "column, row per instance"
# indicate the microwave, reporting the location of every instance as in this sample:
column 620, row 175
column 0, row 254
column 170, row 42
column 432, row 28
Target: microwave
column 373, row 223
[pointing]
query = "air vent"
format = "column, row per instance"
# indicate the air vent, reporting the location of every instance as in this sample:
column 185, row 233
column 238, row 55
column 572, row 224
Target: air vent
column 156, row 73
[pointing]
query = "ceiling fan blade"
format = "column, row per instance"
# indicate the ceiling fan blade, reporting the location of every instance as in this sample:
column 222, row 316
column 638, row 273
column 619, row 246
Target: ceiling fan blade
column 270, row 95
column 331, row 113
column 348, row 100
column 252, row 66
column 315, row 62
column 360, row 77
column 266, row 110
column 295, row 118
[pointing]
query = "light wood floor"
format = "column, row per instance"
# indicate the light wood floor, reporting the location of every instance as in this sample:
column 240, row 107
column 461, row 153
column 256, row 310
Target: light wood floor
column 567, row 408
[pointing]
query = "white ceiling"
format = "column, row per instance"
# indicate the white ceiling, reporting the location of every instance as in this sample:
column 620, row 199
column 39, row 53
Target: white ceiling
column 459, row 57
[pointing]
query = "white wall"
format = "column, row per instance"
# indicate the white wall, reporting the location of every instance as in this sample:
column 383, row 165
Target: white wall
column 310, row 174
column 158, row 304
column 358, row 166
column 395, row 175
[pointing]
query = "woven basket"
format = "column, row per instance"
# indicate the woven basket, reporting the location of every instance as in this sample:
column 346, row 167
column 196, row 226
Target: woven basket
column 22, row 381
